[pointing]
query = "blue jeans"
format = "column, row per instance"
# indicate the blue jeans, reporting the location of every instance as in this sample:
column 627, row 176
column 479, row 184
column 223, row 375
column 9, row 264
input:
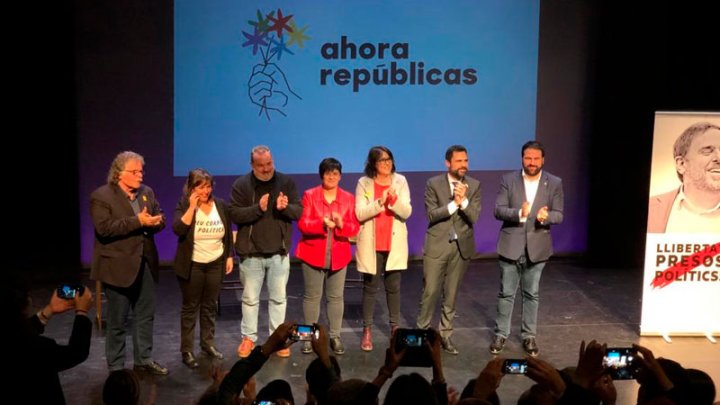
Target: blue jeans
column 140, row 298
column 252, row 274
column 527, row 276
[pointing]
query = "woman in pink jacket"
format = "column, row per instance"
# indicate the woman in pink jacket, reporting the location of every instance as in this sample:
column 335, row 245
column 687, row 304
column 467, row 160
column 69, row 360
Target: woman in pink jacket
column 327, row 222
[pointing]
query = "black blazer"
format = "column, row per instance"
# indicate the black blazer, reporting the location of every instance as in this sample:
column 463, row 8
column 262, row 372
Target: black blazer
column 186, row 235
column 119, row 236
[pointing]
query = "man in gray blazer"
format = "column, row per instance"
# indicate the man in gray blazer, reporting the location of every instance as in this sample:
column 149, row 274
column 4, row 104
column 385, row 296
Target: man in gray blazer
column 528, row 203
column 452, row 203
column 126, row 217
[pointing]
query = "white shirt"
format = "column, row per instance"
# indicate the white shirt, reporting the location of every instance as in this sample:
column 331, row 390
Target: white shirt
column 452, row 207
column 686, row 218
column 209, row 234
column 531, row 188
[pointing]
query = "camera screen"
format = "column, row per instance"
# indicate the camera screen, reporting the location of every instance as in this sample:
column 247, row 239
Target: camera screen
column 515, row 366
column 305, row 332
column 413, row 340
column 66, row 291
column 618, row 361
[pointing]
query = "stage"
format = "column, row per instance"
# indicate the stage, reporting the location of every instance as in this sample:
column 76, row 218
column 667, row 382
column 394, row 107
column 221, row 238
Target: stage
column 576, row 303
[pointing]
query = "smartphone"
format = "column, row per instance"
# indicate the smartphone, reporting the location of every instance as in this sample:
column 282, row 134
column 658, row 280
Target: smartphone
column 417, row 354
column 620, row 362
column 412, row 337
column 515, row 366
column 69, row 291
column 304, row 332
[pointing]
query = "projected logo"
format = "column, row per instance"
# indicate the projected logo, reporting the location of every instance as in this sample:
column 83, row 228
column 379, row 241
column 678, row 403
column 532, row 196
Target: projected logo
column 268, row 86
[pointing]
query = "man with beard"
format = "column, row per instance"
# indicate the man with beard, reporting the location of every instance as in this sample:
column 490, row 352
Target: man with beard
column 695, row 206
column 528, row 203
column 452, row 203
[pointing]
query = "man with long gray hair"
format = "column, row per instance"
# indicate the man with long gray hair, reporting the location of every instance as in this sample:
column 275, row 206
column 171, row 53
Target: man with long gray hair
column 126, row 217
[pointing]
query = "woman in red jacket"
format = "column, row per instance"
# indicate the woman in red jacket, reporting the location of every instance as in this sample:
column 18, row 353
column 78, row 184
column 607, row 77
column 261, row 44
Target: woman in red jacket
column 327, row 222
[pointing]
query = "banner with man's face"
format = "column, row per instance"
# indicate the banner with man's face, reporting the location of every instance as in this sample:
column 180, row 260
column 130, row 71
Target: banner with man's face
column 681, row 287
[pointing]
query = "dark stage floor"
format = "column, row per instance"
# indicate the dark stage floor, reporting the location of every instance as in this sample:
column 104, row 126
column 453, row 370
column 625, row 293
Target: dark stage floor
column 576, row 303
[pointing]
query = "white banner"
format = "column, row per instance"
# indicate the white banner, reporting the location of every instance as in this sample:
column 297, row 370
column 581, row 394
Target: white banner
column 681, row 287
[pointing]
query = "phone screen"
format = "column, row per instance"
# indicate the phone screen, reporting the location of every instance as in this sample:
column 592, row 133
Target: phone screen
column 619, row 361
column 305, row 332
column 413, row 340
column 417, row 354
column 66, row 291
column 515, row 366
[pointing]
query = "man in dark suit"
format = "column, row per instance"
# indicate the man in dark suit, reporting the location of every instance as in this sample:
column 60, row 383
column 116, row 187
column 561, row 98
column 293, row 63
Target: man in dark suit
column 126, row 217
column 529, row 201
column 452, row 203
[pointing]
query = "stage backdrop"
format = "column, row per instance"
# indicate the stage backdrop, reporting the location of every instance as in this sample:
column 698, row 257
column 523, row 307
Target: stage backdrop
column 327, row 78
column 681, row 291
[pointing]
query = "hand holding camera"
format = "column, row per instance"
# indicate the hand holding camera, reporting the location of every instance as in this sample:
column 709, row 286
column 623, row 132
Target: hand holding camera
column 546, row 375
column 489, row 379
column 589, row 367
column 66, row 297
column 280, row 339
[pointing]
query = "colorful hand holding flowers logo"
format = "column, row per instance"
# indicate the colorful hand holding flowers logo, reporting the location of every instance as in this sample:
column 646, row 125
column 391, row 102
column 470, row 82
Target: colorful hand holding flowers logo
column 268, row 87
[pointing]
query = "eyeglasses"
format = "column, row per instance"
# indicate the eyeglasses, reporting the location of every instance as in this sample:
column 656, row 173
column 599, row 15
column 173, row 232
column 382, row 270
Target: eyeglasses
column 135, row 172
column 385, row 160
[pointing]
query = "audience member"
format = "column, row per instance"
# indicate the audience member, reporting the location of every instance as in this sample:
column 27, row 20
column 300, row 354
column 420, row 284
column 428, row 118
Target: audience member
column 37, row 359
column 246, row 367
column 121, row 387
column 322, row 373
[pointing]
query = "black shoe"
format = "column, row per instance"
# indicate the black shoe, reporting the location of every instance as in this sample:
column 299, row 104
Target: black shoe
column 213, row 352
column 530, row 346
column 307, row 347
column 153, row 368
column 189, row 360
column 337, row 346
column 448, row 346
column 497, row 344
